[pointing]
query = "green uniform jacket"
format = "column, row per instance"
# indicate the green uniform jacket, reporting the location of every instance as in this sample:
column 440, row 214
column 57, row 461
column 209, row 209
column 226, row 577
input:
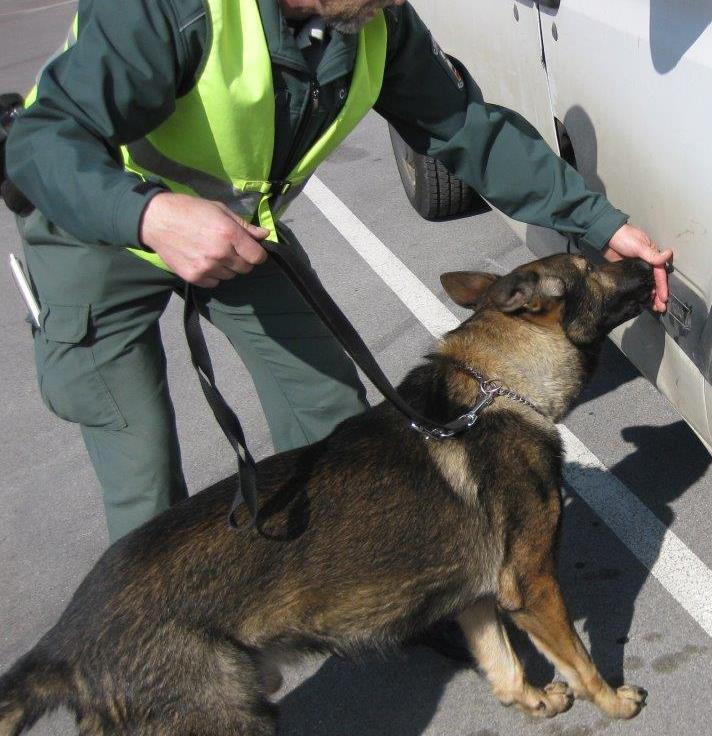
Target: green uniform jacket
column 134, row 58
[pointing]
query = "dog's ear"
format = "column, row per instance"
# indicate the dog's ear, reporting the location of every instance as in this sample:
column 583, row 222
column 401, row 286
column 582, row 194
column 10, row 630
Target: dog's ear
column 552, row 287
column 466, row 287
column 527, row 290
column 515, row 291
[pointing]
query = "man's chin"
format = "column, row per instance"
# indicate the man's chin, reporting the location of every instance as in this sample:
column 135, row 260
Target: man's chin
column 347, row 27
column 350, row 26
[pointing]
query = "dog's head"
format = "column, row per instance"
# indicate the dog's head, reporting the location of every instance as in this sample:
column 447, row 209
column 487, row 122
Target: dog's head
column 584, row 299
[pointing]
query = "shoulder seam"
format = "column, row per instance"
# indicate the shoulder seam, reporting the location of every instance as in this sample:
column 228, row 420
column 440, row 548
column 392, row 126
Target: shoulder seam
column 200, row 14
column 392, row 17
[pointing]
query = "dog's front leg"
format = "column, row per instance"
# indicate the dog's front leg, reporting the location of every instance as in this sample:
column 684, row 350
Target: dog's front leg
column 544, row 617
column 489, row 644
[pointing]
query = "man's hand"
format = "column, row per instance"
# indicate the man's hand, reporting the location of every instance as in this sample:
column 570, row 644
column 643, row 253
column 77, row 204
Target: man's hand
column 630, row 242
column 201, row 241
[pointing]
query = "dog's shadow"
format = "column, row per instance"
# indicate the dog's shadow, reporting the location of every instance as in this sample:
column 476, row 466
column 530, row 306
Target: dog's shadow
column 600, row 577
column 396, row 695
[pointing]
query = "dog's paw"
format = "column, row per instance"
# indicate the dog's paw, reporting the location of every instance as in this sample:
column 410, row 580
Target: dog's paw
column 626, row 702
column 632, row 699
column 555, row 698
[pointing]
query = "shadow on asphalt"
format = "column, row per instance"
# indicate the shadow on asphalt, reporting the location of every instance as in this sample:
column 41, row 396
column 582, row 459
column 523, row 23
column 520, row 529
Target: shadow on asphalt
column 600, row 578
column 397, row 695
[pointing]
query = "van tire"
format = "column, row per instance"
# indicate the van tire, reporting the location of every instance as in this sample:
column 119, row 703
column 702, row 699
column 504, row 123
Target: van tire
column 432, row 190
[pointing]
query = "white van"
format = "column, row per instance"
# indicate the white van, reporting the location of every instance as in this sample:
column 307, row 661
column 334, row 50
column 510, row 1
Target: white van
column 623, row 90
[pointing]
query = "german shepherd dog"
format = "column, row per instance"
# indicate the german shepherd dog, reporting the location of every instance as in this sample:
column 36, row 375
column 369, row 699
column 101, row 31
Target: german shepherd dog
column 382, row 532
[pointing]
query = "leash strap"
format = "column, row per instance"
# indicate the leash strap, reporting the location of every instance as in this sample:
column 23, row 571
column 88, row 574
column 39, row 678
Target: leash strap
column 307, row 282
column 225, row 416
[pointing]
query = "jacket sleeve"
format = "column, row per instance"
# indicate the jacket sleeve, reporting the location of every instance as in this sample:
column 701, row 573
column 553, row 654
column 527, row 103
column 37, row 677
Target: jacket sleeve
column 117, row 82
column 439, row 111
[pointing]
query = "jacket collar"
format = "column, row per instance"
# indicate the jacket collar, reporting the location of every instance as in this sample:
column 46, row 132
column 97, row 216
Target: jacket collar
column 339, row 53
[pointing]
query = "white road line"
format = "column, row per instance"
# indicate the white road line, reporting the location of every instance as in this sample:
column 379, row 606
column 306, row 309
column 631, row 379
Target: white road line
column 27, row 11
column 410, row 290
column 680, row 571
column 660, row 550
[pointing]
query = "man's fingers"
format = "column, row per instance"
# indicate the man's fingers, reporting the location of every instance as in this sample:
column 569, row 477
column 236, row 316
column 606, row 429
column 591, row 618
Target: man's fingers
column 256, row 231
column 241, row 266
column 212, row 276
column 223, row 272
column 246, row 244
column 202, row 241
column 207, row 282
column 661, row 284
column 657, row 258
column 659, row 261
column 659, row 305
column 631, row 242
column 250, row 251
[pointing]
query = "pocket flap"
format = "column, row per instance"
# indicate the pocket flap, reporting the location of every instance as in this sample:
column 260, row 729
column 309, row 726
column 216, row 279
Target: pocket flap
column 63, row 323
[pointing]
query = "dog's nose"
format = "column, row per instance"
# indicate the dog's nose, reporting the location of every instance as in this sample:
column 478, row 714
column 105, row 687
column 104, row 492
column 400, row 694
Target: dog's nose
column 641, row 268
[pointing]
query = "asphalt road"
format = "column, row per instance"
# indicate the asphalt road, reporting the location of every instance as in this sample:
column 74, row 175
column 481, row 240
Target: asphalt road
column 51, row 518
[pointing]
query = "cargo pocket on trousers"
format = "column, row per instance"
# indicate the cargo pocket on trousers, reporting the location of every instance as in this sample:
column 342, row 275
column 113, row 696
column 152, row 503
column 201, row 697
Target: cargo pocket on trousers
column 70, row 383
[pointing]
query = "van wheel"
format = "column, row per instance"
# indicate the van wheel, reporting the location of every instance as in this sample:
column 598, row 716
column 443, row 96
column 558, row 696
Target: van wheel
column 432, row 190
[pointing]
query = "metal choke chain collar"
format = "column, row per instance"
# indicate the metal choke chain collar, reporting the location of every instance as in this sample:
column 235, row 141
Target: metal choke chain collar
column 490, row 389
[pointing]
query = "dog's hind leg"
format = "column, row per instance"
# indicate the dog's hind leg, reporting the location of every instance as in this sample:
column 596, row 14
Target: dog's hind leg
column 213, row 687
column 544, row 617
column 232, row 700
column 489, row 644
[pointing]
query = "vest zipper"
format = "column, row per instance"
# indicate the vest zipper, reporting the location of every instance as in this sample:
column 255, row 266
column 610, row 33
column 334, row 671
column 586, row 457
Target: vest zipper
column 311, row 107
column 315, row 91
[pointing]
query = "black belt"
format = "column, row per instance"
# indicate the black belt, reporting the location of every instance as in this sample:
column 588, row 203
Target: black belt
column 304, row 278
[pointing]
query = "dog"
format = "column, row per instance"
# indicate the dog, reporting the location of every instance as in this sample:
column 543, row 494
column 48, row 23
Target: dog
column 377, row 533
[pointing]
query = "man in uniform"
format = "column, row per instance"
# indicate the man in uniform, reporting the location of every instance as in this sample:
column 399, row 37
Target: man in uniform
column 161, row 146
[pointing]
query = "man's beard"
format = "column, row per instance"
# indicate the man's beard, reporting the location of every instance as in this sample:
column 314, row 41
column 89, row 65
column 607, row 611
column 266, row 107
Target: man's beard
column 354, row 24
column 348, row 27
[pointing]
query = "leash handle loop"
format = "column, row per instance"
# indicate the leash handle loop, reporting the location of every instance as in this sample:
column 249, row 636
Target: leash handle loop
column 225, row 416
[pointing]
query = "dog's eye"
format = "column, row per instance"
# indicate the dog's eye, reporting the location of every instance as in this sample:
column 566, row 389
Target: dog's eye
column 589, row 268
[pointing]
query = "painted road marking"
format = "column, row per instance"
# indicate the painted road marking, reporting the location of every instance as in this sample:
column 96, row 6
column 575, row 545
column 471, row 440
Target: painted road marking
column 660, row 550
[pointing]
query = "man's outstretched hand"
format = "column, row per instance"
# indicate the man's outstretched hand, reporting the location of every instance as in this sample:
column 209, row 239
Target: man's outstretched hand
column 630, row 242
column 201, row 241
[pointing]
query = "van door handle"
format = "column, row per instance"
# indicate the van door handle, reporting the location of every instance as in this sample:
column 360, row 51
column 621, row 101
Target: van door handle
column 550, row 3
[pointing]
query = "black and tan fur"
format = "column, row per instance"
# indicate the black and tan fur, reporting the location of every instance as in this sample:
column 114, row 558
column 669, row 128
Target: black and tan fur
column 378, row 532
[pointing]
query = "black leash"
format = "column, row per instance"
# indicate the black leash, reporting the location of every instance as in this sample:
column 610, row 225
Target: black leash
column 304, row 278
column 226, row 417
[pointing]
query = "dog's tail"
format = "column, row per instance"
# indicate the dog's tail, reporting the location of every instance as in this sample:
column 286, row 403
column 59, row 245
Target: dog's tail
column 33, row 686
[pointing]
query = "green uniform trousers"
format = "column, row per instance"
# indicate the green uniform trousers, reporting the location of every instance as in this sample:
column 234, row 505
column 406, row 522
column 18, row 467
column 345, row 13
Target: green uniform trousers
column 101, row 364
